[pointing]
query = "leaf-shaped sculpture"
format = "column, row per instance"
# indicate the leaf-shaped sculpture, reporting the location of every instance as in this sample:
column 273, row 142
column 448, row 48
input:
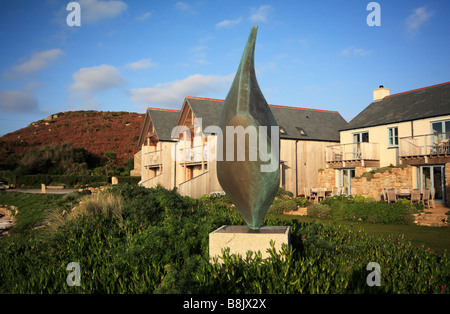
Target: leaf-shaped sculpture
column 250, row 189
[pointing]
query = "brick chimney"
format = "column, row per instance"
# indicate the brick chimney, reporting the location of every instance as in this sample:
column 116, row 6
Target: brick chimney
column 380, row 93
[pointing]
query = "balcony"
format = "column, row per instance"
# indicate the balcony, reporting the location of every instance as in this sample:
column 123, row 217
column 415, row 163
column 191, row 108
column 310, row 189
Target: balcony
column 151, row 159
column 352, row 155
column 193, row 155
column 425, row 149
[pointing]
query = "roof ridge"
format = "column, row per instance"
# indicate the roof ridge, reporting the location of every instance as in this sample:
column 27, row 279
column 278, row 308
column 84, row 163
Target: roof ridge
column 279, row 106
column 205, row 98
column 163, row 109
column 413, row 90
column 290, row 107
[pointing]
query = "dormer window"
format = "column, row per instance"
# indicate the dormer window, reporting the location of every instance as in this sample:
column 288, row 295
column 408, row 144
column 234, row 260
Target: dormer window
column 302, row 132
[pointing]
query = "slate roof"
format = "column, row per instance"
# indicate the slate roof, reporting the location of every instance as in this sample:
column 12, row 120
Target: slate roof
column 427, row 102
column 318, row 125
column 163, row 121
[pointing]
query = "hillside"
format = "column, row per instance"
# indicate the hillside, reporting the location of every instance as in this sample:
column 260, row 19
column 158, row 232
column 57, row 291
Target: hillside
column 96, row 131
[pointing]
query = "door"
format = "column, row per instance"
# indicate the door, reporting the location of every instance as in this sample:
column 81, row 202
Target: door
column 345, row 180
column 362, row 137
column 433, row 177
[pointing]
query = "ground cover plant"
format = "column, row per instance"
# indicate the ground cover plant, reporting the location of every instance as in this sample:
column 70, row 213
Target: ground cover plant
column 129, row 239
column 343, row 207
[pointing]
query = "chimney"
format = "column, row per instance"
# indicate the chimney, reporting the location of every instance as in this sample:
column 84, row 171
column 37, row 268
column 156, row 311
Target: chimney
column 380, row 93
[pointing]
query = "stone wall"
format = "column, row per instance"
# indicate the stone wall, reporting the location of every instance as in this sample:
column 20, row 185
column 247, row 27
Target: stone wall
column 326, row 178
column 372, row 184
column 136, row 172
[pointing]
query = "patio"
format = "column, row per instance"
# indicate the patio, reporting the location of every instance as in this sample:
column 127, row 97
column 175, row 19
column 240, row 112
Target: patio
column 426, row 197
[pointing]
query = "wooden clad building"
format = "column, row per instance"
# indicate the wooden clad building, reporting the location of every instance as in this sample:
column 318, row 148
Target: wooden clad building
column 304, row 136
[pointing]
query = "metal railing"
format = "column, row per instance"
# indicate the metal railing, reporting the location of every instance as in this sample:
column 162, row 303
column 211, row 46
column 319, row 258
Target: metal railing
column 425, row 145
column 194, row 154
column 151, row 158
column 352, row 151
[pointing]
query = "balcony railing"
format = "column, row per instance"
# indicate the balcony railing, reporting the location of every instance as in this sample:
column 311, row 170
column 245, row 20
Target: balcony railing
column 152, row 158
column 194, row 154
column 352, row 152
column 425, row 145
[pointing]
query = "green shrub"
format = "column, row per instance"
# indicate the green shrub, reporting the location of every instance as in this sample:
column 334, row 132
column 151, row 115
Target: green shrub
column 160, row 245
column 283, row 193
column 302, row 201
column 319, row 211
column 283, row 205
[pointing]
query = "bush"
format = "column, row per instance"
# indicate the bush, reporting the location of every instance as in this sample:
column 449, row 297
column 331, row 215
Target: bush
column 342, row 207
column 319, row 211
column 283, row 205
column 283, row 193
column 161, row 246
column 302, row 201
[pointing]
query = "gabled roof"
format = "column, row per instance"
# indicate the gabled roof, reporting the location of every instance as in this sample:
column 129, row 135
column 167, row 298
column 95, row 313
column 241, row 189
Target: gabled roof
column 298, row 123
column 163, row 121
column 427, row 102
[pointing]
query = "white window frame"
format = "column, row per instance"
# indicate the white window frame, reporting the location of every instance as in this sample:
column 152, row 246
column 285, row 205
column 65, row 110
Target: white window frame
column 393, row 137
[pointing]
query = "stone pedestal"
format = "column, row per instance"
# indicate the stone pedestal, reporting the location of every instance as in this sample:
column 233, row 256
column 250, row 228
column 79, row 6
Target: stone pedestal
column 241, row 239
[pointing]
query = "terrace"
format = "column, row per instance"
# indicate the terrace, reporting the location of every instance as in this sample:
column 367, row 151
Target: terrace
column 351, row 155
column 425, row 149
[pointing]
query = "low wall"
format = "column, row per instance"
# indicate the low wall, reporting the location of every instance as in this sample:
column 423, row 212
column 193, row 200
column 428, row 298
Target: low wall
column 372, row 184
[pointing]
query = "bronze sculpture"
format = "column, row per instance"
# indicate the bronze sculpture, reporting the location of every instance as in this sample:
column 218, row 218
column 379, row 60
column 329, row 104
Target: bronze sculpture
column 250, row 182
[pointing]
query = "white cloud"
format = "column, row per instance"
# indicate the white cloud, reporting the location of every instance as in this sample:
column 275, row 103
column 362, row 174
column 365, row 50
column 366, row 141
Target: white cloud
column 417, row 19
column 228, row 23
column 352, row 51
column 261, row 14
column 95, row 10
column 88, row 81
column 199, row 54
column 18, row 101
column 38, row 61
column 145, row 16
column 97, row 78
column 173, row 93
column 183, row 7
column 141, row 64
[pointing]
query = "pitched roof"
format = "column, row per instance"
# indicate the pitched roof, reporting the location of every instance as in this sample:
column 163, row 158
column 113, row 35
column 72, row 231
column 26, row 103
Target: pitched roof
column 298, row 123
column 163, row 121
column 427, row 102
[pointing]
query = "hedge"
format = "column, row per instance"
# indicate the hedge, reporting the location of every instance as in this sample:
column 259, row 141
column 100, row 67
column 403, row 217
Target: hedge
column 66, row 180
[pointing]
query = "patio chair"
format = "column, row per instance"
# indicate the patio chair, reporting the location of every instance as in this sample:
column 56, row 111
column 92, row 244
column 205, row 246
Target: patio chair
column 433, row 192
column 336, row 191
column 391, row 196
column 404, row 190
column 385, row 195
column 309, row 195
column 415, row 196
column 426, row 198
column 320, row 194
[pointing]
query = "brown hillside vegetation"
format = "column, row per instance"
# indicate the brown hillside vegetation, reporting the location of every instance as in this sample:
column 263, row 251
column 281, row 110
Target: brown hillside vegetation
column 96, row 131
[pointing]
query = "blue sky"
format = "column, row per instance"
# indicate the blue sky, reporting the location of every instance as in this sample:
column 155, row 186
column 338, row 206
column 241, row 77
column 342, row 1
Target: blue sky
column 131, row 54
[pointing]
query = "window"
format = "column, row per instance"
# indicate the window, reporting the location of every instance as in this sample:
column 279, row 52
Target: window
column 393, row 137
column 302, row 132
column 282, row 130
column 362, row 137
column 440, row 130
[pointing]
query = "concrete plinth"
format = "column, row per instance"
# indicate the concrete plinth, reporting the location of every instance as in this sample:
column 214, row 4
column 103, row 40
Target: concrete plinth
column 241, row 239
